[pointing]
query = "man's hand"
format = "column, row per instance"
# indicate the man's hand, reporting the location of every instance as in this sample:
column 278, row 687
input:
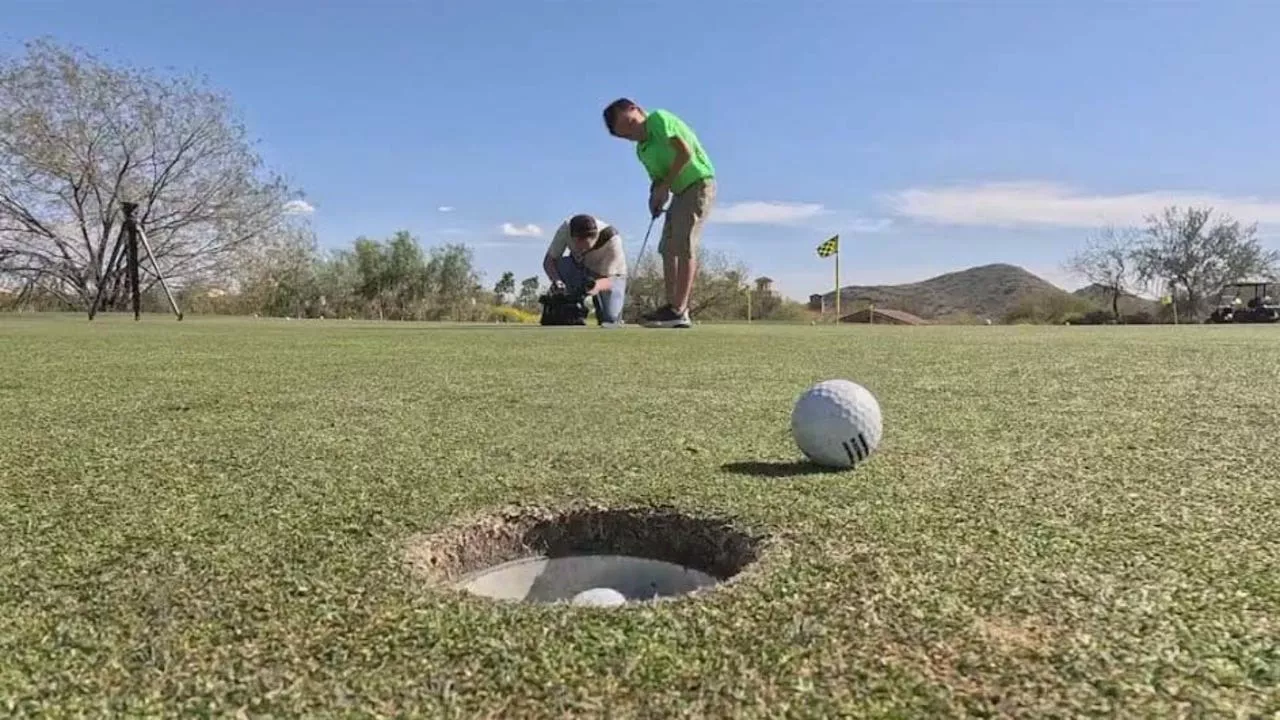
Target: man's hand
column 599, row 285
column 557, row 287
column 658, row 198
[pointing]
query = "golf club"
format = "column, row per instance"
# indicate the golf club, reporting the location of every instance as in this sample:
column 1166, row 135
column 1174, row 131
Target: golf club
column 643, row 245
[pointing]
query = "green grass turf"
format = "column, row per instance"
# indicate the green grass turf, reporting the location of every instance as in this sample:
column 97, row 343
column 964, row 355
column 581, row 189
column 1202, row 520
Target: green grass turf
column 206, row 516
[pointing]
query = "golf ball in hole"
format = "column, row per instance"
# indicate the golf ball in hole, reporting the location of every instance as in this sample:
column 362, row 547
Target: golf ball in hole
column 599, row 597
column 837, row 423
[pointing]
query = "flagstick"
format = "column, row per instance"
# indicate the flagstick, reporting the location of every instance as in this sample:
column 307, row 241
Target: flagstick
column 837, row 285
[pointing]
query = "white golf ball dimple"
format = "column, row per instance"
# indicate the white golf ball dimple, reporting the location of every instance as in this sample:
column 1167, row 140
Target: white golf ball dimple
column 599, row 597
column 837, row 423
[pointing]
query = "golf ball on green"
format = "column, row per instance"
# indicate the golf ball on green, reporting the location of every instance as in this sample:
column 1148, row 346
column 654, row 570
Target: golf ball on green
column 837, row 423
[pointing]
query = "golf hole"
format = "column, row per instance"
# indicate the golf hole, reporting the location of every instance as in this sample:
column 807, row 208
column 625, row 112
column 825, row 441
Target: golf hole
column 585, row 556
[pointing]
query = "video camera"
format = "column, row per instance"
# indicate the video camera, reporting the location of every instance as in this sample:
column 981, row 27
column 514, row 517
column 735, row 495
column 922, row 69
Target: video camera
column 563, row 308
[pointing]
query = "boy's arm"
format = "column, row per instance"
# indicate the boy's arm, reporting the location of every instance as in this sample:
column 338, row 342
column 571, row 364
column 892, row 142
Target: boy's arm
column 659, row 191
column 683, row 155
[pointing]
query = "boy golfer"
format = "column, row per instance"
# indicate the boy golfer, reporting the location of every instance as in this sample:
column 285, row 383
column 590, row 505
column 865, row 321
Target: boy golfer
column 678, row 167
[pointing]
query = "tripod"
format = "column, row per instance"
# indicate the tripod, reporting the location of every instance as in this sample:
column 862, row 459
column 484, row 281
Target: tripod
column 130, row 233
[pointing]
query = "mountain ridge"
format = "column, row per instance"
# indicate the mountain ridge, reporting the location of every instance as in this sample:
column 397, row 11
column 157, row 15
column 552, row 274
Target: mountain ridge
column 990, row 291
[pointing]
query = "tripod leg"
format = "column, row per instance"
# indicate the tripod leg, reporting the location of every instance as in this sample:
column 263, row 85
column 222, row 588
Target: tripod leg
column 147, row 245
column 136, row 287
column 105, row 278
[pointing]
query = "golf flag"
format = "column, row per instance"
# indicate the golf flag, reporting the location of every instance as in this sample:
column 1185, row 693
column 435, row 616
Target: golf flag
column 829, row 247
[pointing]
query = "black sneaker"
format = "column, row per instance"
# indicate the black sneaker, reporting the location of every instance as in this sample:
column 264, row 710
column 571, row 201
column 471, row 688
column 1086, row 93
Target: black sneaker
column 668, row 318
column 653, row 315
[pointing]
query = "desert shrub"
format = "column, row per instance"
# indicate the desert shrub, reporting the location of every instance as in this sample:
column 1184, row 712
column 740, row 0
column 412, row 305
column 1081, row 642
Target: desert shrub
column 35, row 300
column 791, row 312
column 959, row 318
column 202, row 303
column 1093, row 317
column 1023, row 313
column 1053, row 309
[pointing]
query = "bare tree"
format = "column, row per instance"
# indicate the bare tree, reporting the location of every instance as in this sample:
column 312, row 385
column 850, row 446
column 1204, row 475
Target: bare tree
column 78, row 137
column 280, row 278
column 1197, row 254
column 1107, row 261
column 719, row 286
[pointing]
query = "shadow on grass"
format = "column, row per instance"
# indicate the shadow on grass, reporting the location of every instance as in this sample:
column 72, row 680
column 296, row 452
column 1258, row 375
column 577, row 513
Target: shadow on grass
column 778, row 468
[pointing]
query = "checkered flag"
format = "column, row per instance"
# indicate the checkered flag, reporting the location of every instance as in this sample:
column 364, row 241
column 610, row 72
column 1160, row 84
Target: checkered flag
column 829, row 247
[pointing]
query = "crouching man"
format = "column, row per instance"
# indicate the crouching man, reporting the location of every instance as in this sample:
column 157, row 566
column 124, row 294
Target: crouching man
column 586, row 258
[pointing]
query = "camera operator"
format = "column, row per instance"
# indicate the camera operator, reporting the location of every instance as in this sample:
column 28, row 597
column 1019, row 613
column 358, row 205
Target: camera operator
column 586, row 258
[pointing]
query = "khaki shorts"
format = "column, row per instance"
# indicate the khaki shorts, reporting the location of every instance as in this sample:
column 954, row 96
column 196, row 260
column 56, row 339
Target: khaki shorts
column 682, row 228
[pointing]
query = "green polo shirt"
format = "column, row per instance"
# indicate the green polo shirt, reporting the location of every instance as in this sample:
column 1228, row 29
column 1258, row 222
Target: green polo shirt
column 656, row 153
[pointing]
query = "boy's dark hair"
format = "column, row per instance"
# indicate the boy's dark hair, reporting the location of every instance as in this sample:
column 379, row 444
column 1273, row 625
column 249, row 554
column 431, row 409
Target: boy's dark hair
column 613, row 109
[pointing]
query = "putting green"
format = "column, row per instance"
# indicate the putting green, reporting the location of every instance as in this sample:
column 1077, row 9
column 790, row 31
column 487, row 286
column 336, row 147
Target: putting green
column 210, row 516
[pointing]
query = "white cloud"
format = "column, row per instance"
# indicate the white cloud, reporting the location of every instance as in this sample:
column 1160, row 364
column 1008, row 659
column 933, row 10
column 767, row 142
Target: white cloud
column 445, row 209
column 764, row 213
column 869, row 225
column 299, row 207
column 1008, row 204
column 528, row 230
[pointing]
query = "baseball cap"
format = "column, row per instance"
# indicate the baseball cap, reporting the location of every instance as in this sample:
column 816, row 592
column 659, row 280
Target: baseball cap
column 582, row 225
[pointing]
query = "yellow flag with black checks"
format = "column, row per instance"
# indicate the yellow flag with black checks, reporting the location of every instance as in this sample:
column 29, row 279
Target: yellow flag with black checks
column 829, row 247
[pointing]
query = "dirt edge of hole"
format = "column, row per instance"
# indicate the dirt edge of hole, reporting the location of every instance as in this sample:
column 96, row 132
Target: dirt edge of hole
column 714, row 544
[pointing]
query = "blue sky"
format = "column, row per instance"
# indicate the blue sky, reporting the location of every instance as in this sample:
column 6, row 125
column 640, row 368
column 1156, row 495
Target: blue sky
column 932, row 136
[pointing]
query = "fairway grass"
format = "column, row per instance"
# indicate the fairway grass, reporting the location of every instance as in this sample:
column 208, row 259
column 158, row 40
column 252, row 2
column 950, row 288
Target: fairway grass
column 208, row 517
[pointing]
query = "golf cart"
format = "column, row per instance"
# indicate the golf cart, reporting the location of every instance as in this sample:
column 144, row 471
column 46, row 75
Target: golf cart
column 1260, row 307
